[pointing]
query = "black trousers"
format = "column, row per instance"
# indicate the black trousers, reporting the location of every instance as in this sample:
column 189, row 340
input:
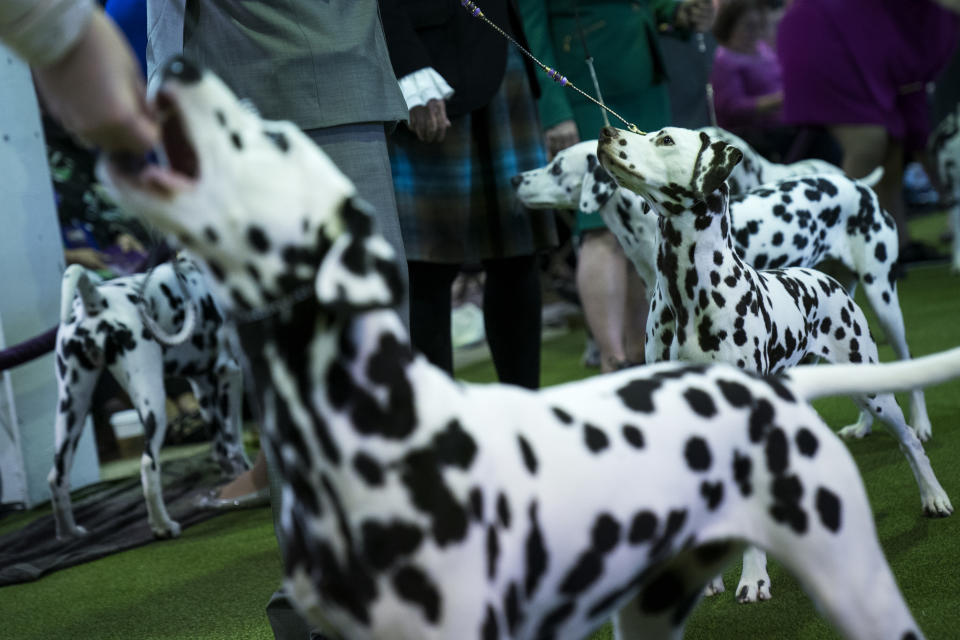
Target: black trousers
column 511, row 315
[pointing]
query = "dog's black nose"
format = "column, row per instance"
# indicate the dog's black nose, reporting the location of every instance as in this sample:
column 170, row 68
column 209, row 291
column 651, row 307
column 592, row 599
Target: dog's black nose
column 181, row 69
column 516, row 181
column 608, row 133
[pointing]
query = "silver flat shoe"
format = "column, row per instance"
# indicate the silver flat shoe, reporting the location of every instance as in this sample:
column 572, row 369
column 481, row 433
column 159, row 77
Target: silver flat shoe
column 209, row 500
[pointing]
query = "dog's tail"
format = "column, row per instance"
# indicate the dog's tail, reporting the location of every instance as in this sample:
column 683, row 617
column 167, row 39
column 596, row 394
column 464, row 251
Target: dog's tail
column 189, row 318
column 75, row 280
column 817, row 381
column 872, row 178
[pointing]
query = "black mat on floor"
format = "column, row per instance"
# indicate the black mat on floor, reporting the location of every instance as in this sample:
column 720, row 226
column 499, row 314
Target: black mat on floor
column 114, row 514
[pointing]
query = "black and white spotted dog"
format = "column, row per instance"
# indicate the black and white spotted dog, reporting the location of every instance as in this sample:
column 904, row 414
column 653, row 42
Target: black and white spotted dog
column 709, row 305
column 945, row 150
column 416, row 507
column 755, row 170
column 795, row 222
column 575, row 180
column 110, row 326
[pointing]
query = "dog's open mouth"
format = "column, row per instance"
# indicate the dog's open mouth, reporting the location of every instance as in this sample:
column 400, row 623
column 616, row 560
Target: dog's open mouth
column 170, row 168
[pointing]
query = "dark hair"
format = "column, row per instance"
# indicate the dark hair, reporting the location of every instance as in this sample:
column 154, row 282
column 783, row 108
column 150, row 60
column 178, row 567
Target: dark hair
column 729, row 14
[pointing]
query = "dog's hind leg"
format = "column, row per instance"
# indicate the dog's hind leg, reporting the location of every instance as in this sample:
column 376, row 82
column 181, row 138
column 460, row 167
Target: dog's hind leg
column 671, row 591
column 220, row 396
column 932, row 495
column 141, row 376
column 75, row 386
column 882, row 294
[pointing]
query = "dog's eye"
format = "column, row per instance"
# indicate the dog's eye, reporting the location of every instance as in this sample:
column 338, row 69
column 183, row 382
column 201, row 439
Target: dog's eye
column 665, row 141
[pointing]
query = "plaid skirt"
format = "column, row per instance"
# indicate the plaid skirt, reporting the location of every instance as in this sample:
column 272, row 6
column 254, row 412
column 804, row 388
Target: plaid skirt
column 454, row 198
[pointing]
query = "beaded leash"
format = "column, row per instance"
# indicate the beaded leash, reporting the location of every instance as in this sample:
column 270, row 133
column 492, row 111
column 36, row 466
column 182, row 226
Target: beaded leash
column 553, row 74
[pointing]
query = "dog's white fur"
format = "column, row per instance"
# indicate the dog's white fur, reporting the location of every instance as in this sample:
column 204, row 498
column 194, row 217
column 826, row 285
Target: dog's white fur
column 709, row 306
column 113, row 326
column 515, row 512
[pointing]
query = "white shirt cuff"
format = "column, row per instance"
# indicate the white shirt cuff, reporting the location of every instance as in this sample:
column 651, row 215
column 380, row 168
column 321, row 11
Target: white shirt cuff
column 42, row 31
column 422, row 86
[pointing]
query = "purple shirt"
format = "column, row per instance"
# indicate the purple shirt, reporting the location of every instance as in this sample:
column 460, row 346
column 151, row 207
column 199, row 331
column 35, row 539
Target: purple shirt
column 738, row 79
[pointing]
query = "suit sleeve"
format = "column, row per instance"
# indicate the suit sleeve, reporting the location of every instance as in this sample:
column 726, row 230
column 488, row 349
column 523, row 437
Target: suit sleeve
column 554, row 105
column 407, row 53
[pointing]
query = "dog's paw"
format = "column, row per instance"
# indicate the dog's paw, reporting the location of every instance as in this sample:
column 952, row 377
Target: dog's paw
column 714, row 587
column 923, row 432
column 852, row 431
column 166, row 530
column 937, row 505
column 753, row 591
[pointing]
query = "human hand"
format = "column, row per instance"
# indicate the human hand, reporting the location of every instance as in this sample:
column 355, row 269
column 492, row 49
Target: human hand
column 696, row 15
column 429, row 122
column 560, row 136
column 97, row 93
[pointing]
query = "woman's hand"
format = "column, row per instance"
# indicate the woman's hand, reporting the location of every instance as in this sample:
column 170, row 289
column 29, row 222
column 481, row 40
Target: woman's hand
column 429, row 122
column 97, row 93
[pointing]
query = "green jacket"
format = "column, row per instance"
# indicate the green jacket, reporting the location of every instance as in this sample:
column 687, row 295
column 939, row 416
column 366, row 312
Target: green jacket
column 622, row 36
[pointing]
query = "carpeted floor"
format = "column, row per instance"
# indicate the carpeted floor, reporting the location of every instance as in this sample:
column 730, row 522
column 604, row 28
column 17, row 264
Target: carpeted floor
column 213, row 582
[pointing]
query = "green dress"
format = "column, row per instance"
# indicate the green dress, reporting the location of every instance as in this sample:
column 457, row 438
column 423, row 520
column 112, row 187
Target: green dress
column 622, row 38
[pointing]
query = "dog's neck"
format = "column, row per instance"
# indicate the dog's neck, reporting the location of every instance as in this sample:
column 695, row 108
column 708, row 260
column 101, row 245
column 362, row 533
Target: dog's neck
column 694, row 252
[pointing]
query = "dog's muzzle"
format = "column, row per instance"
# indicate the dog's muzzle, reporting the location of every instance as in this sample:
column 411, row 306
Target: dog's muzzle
column 608, row 133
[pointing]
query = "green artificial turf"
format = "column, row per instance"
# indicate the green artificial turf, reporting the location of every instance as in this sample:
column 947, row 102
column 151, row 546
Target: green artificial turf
column 214, row 581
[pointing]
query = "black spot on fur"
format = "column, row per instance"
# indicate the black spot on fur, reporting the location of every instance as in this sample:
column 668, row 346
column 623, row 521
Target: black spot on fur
column 807, row 443
column 828, row 506
column 257, row 239
column 529, row 458
column 536, row 554
column 633, row 436
column 638, row 394
column 386, row 543
column 413, row 585
column 368, row 468
column 697, row 454
column 595, row 439
column 490, row 630
column 701, row 402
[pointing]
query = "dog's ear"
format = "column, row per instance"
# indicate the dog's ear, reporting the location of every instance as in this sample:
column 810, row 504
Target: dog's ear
column 598, row 186
column 714, row 163
column 360, row 271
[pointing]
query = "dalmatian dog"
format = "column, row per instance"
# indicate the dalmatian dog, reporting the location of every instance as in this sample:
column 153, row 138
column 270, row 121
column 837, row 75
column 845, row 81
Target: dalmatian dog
column 755, row 170
column 709, row 305
column 125, row 328
column 417, row 507
column 945, row 149
column 575, row 180
column 795, row 222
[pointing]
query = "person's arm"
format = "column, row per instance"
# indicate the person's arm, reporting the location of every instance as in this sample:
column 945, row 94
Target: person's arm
column 424, row 90
column 734, row 106
column 556, row 115
column 42, row 31
column 84, row 70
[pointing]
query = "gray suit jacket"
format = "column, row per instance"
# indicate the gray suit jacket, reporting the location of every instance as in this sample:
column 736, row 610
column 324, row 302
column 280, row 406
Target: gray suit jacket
column 318, row 63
